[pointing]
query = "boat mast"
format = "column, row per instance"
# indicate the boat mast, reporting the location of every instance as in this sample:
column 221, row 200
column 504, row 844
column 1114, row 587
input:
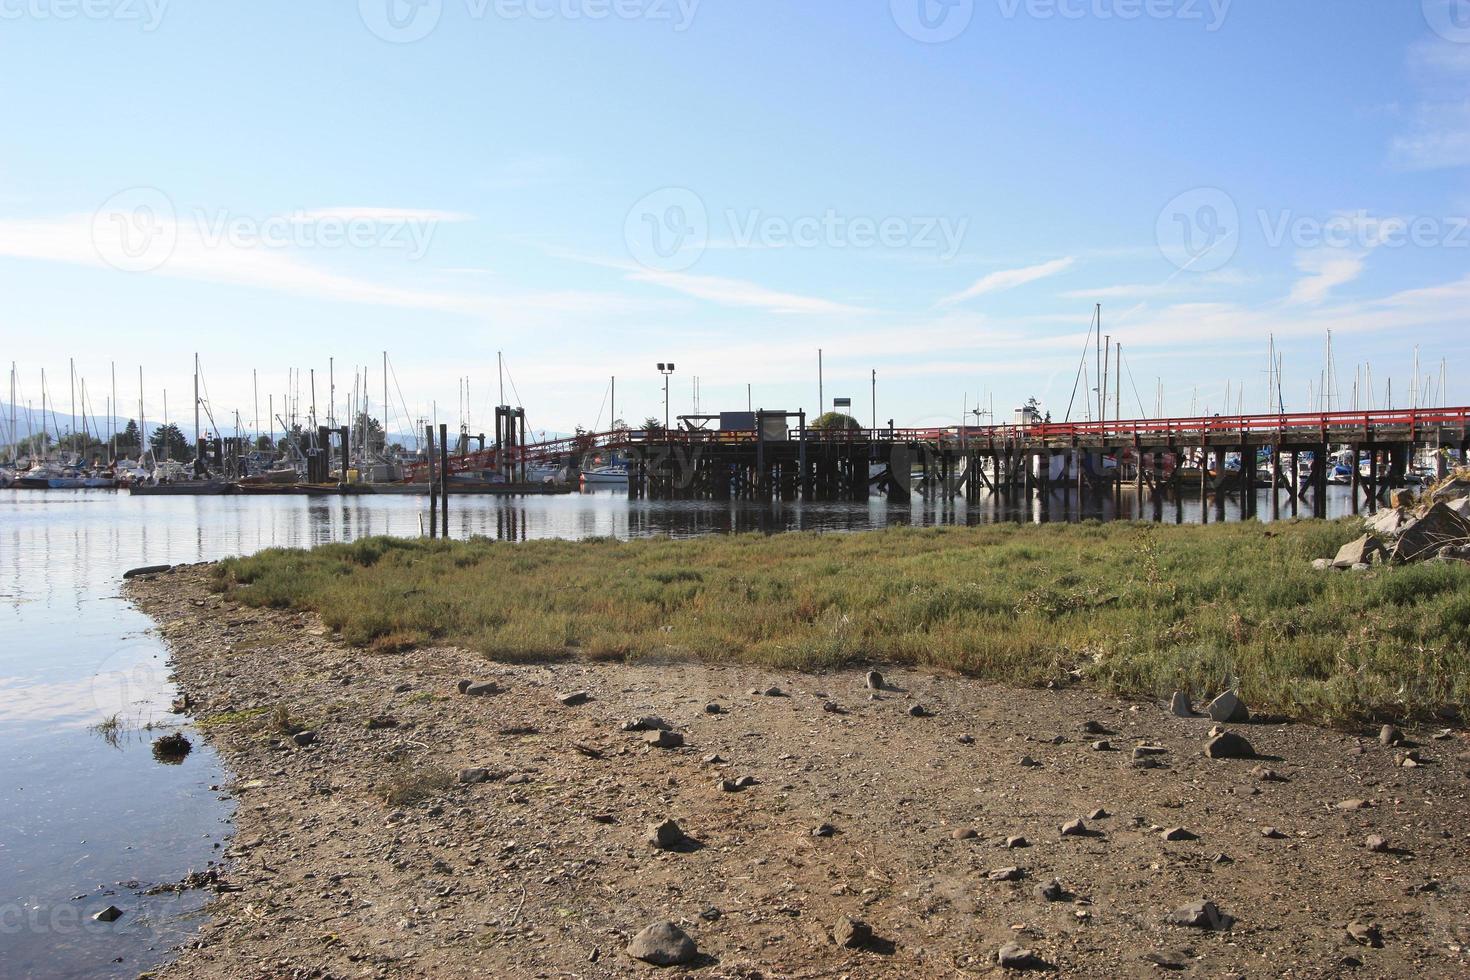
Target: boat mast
column 196, row 406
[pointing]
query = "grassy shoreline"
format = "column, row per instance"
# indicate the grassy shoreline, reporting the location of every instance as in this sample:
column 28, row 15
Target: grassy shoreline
column 1137, row 609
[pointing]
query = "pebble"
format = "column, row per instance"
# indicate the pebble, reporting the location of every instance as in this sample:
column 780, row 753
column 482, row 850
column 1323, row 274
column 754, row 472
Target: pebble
column 1140, row 751
column 1014, row 842
column 1272, row 833
column 1102, row 745
column 1095, row 728
column 713, row 759
column 918, row 711
column 1074, row 828
column 648, row 723
column 483, row 689
column 110, row 914
column 963, row 833
column 663, row 944
column 1178, row 834
column 1006, row 874
column 1354, row 805
column 1267, row 775
column 824, row 830
column 1026, row 762
column 1376, row 844
column 573, row 698
column 1099, row 814
column 713, row 708
column 966, row 740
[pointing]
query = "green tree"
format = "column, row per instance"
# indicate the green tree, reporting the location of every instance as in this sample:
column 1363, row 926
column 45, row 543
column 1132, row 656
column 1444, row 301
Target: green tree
column 128, row 443
column 263, row 443
column 836, row 421
column 653, row 426
column 168, row 442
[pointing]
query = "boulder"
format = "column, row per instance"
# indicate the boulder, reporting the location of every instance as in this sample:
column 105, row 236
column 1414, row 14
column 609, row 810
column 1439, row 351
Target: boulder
column 1388, row 523
column 1456, row 489
column 1229, row 709
column 663, row 944
column 1439, row 527
column 1321, row 564
column 1359, row 552
column 1179, row 705
column 1401, row 498
column 1460, row 507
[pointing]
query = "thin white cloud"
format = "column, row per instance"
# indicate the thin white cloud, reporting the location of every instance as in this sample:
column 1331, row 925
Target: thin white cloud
column 381, row 215
column 740, row 293
column 1009, row 279
column 1325, row 270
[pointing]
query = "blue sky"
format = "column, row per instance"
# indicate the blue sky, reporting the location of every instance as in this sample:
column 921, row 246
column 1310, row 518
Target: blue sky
column 940, row 191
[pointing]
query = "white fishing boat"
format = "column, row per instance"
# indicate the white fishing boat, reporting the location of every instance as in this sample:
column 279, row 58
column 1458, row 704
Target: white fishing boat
column 612, row 475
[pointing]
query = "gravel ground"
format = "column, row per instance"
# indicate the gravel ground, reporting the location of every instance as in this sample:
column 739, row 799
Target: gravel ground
column 859, row 808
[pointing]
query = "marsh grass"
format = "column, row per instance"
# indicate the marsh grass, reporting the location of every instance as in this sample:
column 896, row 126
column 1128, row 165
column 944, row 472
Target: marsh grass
column 1136, row 609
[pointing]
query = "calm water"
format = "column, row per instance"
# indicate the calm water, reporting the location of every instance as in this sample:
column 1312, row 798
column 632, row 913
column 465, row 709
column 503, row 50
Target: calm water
column 86, row 822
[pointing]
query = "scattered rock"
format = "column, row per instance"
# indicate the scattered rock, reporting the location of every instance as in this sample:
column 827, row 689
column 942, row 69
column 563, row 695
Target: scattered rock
column 875, row 681
column 713, row 759
column 1095, row 728
column 663, row 944
column 1272, row 833
column 664, row 739
column 304, row 739
column 1390, row 735
column 1376, row 844
column 647, row 723
column 1012, row 957
column 1354, row 805
column 1050, row 891
column 963, row 833
column 1006, row 874
column 1321, row 564
column 774, row 692
column 713, row 709
column 1178, row 834
column 832, row 708
column 1408, row 759
column 483, row 689
column 110, row 914
column 1200, row 915
column 665, row 835
column 1267, row 775
column 1141, row 751
column 573, row 698
column 849, row 933
column 1229, row 709
column 1365, row 934
column 918, row 711
column 824, row 830
column 1026, row 762
column 1017, row 841
column 1102, row 745
column 1074, row 828
column 966, row 739
column 1359, row 552
column 1099, row 814
column 1228, row 745
column 1179, row 705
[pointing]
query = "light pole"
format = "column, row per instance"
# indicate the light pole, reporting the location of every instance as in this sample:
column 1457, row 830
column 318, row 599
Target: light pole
column 666, row 370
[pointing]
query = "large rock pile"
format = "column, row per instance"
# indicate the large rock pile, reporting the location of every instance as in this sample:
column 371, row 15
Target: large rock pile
column 1438, row 529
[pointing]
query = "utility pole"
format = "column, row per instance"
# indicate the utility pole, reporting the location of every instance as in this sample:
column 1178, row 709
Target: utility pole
column 196, row 405
column 111, row 413
column 875, row 398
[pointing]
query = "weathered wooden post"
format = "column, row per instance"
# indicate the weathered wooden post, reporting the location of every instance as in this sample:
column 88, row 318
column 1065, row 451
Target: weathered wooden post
column 444, row 478
column 433, row 485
